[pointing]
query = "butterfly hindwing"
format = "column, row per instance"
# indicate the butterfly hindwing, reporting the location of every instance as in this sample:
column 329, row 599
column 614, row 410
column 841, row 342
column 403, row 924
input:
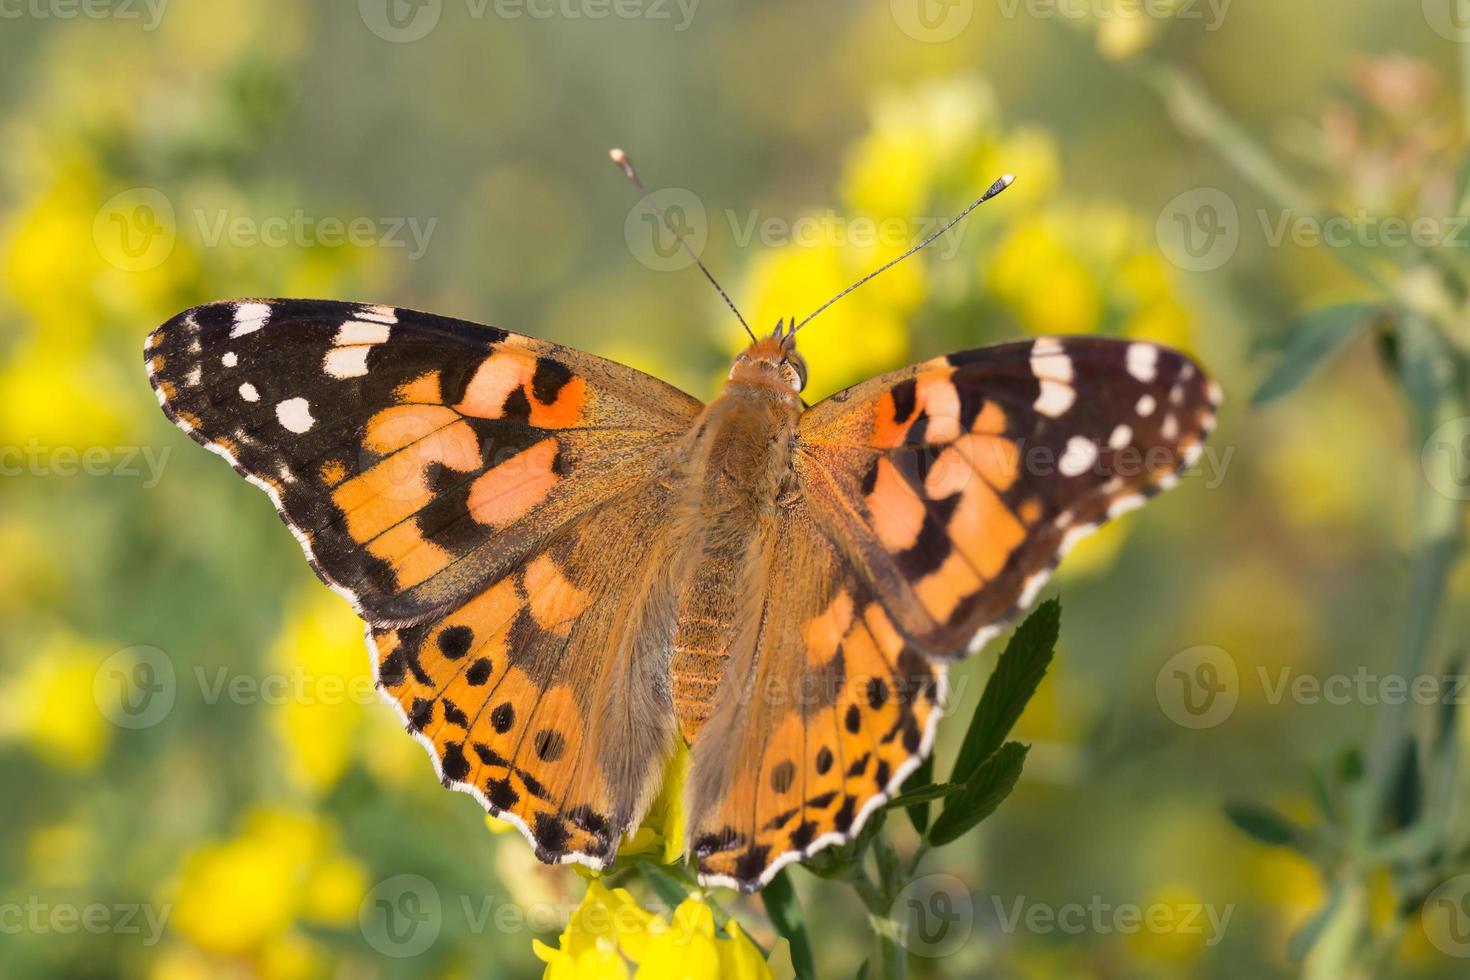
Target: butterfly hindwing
column 960, row 482
column 817, row 726
column 416, row 457
column 546, row 696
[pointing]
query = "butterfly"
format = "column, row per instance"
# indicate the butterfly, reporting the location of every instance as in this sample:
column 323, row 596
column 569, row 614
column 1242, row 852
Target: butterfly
column 566, row 565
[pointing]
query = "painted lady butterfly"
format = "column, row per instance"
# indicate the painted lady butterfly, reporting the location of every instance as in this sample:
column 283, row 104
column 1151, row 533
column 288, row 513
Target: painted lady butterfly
column 565, row 564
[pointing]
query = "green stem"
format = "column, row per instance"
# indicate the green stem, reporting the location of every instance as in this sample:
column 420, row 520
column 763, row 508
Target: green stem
column 890, row 959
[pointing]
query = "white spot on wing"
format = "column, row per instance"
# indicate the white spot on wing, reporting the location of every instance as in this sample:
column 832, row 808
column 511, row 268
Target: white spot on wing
column 346, row 362
column 1146, row 406
column 248, row 392
column 382, row 314
column 1055, row 398
column 295, row 415
column 1081, row 453
column 1143, row 361
column 250, row 317
column 360, row 332
column 1120, row 437
column 230, row 359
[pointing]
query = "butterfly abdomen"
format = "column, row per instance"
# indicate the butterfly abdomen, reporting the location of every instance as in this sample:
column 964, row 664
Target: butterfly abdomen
column 739, row 463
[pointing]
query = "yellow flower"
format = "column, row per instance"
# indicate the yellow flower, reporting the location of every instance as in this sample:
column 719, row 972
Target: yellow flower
column 607, row 927
column 52, row 703
column 330, row 714
column 610, row 932
column 855, row 339
column 243, row 895
column 662, row 832
column 1178, row 937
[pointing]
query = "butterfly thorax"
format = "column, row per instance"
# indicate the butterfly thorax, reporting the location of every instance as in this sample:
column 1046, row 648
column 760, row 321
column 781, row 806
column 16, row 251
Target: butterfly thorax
column 738, row 468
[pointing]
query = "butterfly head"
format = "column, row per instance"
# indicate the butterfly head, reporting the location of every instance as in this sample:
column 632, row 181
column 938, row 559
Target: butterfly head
column 772, row 361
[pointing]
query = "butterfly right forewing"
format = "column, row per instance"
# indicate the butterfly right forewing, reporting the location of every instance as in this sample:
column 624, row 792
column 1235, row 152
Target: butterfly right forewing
column 959, row 483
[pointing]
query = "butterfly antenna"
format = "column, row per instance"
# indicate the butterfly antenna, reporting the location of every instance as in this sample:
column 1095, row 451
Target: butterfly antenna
column 626, row 165
column 1005, row 181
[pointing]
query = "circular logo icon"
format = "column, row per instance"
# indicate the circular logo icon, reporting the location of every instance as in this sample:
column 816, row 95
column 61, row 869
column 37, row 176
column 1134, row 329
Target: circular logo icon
column 1198, row 687
column 135, row 231
column 400, row 21
column 1450, row 19
column 932, row 21
column 1199, row 230
column 135, row 687
column 1446, row 917
column 401, row 916
column 650, row 239
column 935, row 915
column 1446, row 459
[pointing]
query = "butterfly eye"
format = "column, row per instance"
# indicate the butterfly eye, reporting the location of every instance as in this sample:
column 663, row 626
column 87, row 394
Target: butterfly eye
column 793, row 368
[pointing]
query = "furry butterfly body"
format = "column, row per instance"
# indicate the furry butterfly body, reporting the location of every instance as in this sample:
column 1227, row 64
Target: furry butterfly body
column 565, row 565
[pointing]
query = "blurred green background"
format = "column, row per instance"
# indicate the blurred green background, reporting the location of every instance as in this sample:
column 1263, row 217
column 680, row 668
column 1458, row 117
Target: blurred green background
column 197, row 779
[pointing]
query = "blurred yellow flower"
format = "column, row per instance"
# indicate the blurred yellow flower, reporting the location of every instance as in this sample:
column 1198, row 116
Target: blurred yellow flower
column 49, row 702
column 242, row 895
column 1181, row 928
column 330, row 714
column 610, row 932
column 855, row 339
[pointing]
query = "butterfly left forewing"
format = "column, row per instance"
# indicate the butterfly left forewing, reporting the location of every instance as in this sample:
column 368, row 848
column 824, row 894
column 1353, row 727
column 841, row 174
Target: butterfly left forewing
column 416, row 457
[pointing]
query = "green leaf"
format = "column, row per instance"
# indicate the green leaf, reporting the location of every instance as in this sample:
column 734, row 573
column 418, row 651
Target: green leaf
column 1264, row 824
column 785, row 912
column 919, row 781
column 1019, row 671
column 986, row 789
column 1309, row 341
column 924, row 794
